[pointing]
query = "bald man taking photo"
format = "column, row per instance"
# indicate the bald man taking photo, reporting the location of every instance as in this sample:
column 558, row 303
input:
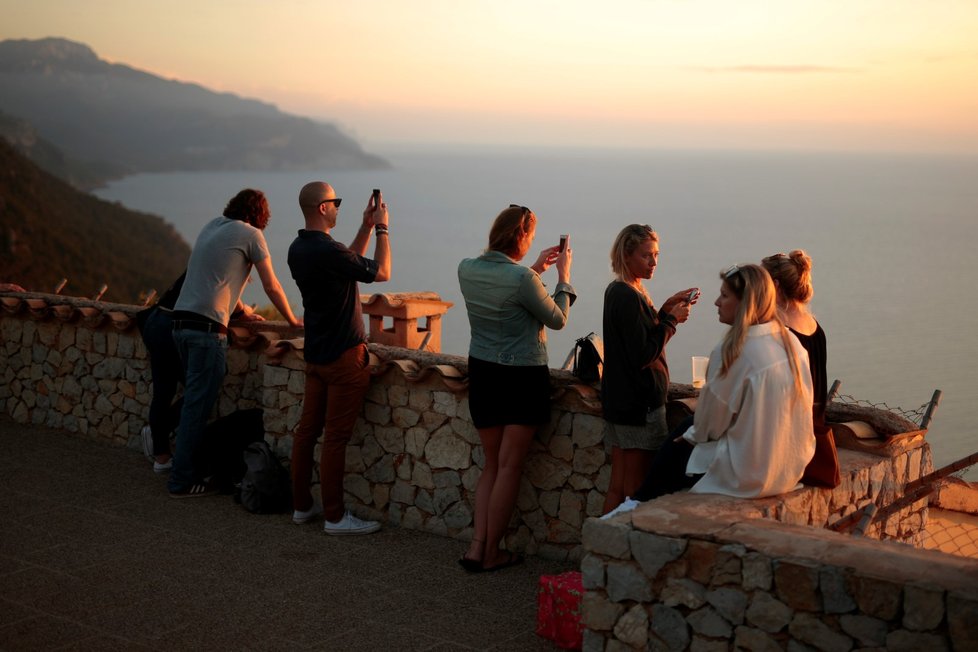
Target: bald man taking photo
column 337, row 378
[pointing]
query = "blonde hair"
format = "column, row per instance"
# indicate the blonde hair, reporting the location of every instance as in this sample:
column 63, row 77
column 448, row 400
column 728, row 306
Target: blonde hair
column 629, row 239
column 509, row 229
column 753, row 286
column 793, row 273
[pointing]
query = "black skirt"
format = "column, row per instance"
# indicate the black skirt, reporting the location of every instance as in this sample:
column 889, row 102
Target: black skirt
column 501, row 395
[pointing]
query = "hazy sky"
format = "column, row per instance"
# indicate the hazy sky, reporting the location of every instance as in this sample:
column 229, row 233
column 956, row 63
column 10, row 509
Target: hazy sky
column 853, row 74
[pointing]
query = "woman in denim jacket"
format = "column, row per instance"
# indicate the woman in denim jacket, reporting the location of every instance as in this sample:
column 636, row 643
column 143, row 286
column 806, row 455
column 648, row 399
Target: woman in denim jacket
column 509, row 377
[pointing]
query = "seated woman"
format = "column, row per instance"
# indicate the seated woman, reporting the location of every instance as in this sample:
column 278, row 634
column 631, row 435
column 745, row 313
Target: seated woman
column 792, row 276
column 752, row 433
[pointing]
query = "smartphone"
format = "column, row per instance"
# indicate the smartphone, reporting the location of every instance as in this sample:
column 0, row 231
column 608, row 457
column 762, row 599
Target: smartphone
column 563, row 242
column 376, row 198
column 693, row 294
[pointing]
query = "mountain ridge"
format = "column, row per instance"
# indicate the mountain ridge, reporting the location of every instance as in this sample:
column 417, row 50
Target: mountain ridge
column 130, row 121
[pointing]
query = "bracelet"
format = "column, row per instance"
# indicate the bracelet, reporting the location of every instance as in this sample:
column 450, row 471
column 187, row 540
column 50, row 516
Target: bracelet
column 381, row 229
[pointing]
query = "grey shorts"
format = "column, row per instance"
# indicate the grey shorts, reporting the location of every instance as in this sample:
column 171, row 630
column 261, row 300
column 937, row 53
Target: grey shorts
column 648, row 437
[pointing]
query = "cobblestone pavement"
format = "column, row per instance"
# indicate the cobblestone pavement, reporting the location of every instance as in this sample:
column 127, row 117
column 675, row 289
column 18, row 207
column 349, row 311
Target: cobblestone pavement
column 94, row 555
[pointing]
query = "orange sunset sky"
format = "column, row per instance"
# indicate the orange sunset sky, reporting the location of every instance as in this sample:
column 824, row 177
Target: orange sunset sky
column 835, row 74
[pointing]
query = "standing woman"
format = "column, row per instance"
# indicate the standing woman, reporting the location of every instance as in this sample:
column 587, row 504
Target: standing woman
column 635, row 380
column 509, row 376
column 792, row 276
column 752, row 432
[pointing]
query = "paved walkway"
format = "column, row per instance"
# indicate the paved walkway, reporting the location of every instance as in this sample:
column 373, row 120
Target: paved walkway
column 94, row 555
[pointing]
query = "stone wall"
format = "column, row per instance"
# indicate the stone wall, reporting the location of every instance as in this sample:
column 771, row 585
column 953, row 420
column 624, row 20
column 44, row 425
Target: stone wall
column 702, row 573
column 415, row 456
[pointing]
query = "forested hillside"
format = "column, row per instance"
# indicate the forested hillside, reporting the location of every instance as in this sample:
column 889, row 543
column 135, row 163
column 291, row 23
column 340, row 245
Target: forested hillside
column 49, row 231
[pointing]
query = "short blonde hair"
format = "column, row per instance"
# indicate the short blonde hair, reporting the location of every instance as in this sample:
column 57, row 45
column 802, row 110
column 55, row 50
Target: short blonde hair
column 625, row 244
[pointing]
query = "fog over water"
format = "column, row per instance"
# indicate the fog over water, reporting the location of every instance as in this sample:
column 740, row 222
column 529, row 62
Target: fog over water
column 892, row 238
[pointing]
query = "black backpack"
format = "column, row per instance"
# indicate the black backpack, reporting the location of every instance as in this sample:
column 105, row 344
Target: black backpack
column 225, row 439
column 266, row 487
column 589, row 358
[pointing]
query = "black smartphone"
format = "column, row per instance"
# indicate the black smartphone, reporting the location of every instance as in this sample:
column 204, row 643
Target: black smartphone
column 376, row 198
column 563, row 242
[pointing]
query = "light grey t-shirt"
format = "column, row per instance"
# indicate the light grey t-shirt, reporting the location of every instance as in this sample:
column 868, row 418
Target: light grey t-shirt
column 219, row 266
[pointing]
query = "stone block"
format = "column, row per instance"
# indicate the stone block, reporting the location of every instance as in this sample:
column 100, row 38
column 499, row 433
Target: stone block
column 923, row 607
column 700, row 644
column 561, row 447
column 868, row 631
column 812, row 631
column 606, row 538
column 754, row 640
column 588, row 430
column 669, row 628
column 962, row 619
column 421, row 476
column 729, row 603
column 358, row 487
column 796, row 583
column 589, row 460
column 682, row 592
column 652, row 551
column 390, row 438
column 275, row 377
column 419, row 399
column 397, row 396
column 877, row 597
column 571, row 508
column 466, row 430
column 445, row 403
column 458, row 516
column 700, row 558
column 382, row 470
column 768, row 613
column 627, row 582
column 546, row 472
column 377, row 413
column 756, row 571
column 592, row 572
column 834, row 588
column 728, row 565
column 445, row 450
column 446, row 479
column 592, row 641
column 598, row 612
column 381, row 495
column 404, row 418
column 707, row 622
column 443, row 498
column 415, row 440
column 633, row 627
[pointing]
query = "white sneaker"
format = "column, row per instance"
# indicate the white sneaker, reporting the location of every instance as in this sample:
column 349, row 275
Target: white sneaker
column 164, row 467
column 146, row 435
column 300, row 518
column 626, row 506
column 350, row 524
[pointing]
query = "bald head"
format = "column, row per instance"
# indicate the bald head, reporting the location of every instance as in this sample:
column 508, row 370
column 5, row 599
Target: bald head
column 314, row 193
column 318, row 214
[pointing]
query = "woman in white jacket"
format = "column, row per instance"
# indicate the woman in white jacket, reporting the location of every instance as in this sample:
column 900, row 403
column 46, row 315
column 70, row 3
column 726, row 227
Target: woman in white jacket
column 752, row 432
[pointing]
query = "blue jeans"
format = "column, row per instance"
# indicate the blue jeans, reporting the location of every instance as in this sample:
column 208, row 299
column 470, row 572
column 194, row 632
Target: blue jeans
column 203, row 356
column 164, row 363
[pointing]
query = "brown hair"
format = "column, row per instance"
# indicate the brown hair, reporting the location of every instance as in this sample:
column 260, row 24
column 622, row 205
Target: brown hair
column 509, row 229
column 793, row 273
column 249, row 206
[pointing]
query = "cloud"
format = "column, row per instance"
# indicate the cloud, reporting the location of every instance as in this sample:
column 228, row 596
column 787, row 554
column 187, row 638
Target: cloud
column 798, row 69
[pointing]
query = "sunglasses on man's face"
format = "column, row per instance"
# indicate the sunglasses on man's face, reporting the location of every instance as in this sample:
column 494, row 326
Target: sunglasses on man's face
column 335, row 201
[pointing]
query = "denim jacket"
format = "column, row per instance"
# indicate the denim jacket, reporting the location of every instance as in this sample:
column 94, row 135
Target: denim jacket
column 508, row 306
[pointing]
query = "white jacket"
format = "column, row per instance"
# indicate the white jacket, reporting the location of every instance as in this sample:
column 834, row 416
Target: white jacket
column 753, row 437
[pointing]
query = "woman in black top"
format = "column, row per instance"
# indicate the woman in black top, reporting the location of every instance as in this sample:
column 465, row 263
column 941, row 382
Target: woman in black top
column 792, row 275
column 635, row 380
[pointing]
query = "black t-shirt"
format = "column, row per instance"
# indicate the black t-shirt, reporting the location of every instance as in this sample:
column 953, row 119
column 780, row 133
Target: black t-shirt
column 327, row 273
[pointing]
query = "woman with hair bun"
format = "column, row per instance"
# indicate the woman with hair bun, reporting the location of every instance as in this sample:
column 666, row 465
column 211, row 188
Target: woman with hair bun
column 792, row 276
column 752, row 433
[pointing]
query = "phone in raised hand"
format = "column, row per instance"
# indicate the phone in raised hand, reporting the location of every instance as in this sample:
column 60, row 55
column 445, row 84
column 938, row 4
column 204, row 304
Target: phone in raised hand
column 693, row 295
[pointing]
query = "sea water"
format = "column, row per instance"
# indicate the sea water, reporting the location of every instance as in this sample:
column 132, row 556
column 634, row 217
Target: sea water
column 893, row 239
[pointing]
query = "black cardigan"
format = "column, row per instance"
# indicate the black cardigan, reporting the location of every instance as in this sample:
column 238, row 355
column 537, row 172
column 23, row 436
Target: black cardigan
column 634, row 335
